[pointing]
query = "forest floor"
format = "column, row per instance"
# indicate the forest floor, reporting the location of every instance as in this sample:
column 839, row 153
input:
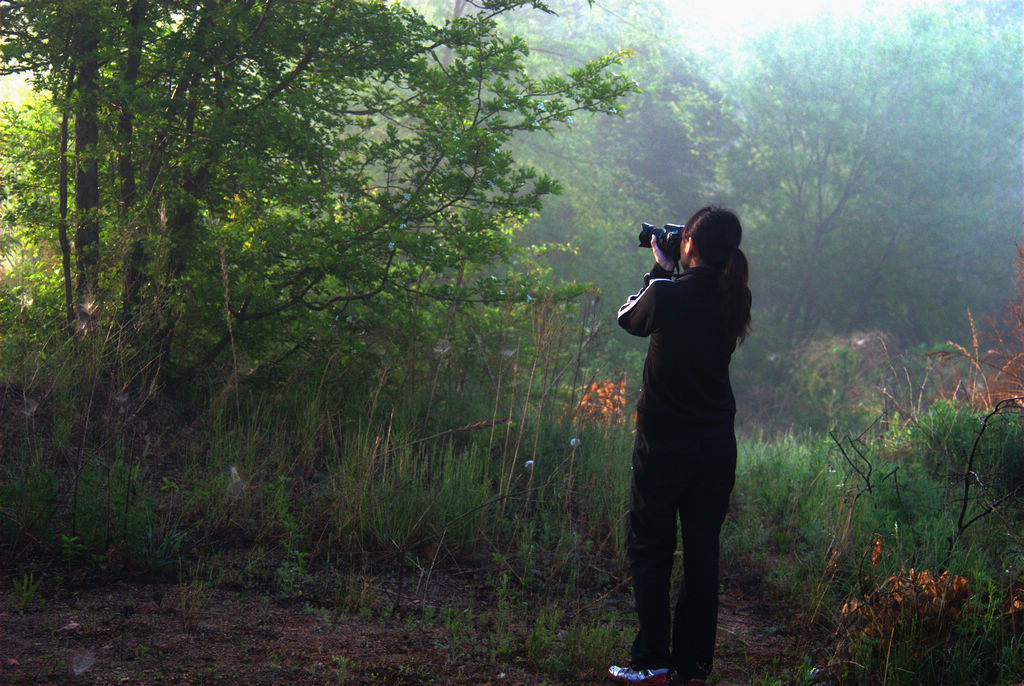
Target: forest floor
column 119, row 632
column 242, row 617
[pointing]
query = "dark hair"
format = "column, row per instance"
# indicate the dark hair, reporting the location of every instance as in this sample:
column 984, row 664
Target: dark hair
column 716, row 234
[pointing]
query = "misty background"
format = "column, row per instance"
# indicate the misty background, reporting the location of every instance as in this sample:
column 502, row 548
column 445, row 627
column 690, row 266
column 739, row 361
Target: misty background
column 872, row 151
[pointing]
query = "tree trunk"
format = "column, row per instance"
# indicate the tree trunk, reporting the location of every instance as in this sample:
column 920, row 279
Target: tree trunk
column 135, row 259
column 62, row 189
column 62, row 225
column 87, row 233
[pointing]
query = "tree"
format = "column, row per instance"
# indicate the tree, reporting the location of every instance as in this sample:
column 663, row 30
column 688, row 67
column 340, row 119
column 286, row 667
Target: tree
column 266, row 174
column 877, row 170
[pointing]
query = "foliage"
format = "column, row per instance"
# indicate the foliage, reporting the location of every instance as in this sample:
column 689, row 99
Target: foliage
column 867, row 211
column 283, row 178
column 860, row 163
column 835, row 526
column 945, row 440
column 819, row 522
column 825, row 383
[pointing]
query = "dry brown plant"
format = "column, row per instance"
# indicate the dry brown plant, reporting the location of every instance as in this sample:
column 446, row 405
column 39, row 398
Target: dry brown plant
column 907, row 599
column 983, row 374
column 991, row 367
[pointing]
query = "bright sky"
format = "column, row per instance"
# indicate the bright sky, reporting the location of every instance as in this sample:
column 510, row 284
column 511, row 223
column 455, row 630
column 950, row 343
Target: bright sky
column 13, row 89
column 710, row 22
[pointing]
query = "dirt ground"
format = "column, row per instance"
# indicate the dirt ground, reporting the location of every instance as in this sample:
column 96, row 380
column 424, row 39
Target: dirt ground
column 144, row 633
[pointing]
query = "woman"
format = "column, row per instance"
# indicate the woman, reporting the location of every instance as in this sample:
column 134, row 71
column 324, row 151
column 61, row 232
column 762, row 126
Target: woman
column 684, row 455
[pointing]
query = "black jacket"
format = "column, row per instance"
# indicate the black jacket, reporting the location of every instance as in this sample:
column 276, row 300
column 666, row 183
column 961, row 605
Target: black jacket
column 686, row 374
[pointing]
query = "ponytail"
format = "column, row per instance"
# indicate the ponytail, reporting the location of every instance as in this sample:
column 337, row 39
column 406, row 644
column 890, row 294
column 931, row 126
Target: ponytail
column 735, row 295
column 716, row 234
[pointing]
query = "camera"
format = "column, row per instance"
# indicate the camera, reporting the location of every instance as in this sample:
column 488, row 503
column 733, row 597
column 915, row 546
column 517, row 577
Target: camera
column 668, row 238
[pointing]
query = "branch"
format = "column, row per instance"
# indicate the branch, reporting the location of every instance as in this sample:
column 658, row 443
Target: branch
column 961, row 525
column 866, row 476
column 287, row 79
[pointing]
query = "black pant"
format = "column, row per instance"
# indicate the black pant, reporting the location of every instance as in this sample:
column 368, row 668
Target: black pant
column 687, row 473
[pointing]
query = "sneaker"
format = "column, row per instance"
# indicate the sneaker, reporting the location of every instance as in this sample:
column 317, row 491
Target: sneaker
column 631, row 675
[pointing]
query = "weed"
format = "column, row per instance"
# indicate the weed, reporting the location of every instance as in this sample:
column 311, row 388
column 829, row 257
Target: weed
column 291, row 573
column 323, row 615
column 191, row 600
column 503, row 617
column 541, row 639
column 26, row 498
column 592, row 646
column 340, row 668
column 53, row 663
column 427, row 477
column 71, row 548
column 458, row 622
column 353, row 594
column 25, row 590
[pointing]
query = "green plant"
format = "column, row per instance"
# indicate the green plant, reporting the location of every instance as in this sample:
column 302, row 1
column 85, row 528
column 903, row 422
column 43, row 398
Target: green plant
column 340, row 668
column 71, row 548
column 25, row 589
column 26, row 487
column 458, row 623
column 53, row 663
column 592, row 646
column 291, row 573
column 352, row 593
column 502, row 636
column 543, row 636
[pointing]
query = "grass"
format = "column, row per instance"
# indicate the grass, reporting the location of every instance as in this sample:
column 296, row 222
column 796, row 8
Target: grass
column 838, row 522
column 503, row 478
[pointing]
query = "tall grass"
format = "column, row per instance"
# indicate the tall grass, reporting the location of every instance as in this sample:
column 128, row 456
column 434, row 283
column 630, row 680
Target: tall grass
column 376, row 486
column 899, row 552
column 76, row 479
column 866, row 539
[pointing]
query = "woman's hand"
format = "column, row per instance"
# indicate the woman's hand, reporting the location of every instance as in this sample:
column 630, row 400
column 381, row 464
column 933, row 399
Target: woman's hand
column 663, row 262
